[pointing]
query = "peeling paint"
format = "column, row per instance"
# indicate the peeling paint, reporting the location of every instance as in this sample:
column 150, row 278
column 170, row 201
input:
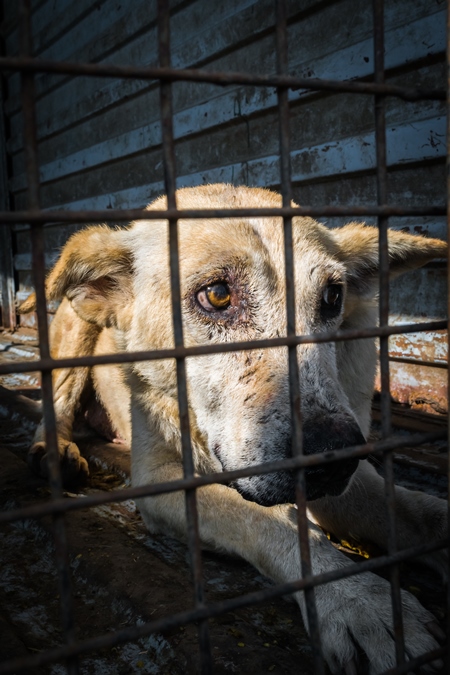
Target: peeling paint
column 421, row 387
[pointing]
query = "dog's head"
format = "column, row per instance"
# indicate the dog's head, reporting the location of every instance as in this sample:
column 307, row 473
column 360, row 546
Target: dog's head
column 233, row 289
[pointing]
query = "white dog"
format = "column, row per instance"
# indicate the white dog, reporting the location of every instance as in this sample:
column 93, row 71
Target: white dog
column 115, row 285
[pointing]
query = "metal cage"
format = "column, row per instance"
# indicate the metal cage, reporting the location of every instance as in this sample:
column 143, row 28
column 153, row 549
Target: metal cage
column 71, row 649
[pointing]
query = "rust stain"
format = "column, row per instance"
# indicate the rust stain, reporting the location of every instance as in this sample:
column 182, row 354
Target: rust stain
column 420, row 387
column 424, row 346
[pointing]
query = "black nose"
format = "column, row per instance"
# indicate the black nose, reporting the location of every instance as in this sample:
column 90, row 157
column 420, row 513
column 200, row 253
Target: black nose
column 324, row 436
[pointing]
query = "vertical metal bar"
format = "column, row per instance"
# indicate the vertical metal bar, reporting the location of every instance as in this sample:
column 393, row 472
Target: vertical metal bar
column 7, row 278
column 6, row 259
column 294, row 383
column 37, row 242
column 188, row 463
column 381, row 173
column 447, row 658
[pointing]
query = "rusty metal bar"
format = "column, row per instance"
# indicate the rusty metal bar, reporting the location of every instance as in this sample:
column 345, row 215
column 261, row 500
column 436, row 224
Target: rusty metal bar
column 381, row 174
column 294, row 382
column 37, row 245
column 7, row 286
column 386, row 426
column 419, row 362
column 221, row 78
column 127, row 215
column 128, row 357
column 193, row 535
column 447, row 654
column 216, row 609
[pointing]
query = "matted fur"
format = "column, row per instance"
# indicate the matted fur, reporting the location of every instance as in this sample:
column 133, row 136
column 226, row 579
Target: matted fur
column 116, row 296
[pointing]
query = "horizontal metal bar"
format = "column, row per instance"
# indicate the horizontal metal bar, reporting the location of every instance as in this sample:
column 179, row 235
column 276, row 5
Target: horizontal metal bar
column 111, row 640
column 224, row 477
column 128, row 215
column 220, row 348
column 215, row 77
column 418, row 362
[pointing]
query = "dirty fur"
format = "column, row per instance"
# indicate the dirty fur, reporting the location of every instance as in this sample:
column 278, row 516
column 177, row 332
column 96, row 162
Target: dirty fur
column 115, row 291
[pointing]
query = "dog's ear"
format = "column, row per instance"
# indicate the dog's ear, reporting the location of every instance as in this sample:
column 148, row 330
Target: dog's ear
column 94, row 273
column 358, row 246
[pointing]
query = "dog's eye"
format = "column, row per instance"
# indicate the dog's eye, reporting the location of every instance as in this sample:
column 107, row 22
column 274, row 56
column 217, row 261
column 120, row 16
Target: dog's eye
column 216, row 296
column 331, row 303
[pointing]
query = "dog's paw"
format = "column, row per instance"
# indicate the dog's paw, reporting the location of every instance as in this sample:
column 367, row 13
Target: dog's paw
column 74, row 467
column 356, row 614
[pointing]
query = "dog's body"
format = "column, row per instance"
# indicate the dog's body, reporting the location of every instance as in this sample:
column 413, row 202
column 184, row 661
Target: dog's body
column 117, row 297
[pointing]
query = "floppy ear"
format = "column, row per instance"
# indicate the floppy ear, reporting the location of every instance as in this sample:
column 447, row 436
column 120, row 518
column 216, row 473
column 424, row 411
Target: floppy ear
column 94, row 273
column 358, row 246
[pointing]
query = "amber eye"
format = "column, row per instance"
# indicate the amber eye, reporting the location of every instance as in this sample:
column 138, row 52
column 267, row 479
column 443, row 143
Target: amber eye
column 216, row 296
column 331, row 302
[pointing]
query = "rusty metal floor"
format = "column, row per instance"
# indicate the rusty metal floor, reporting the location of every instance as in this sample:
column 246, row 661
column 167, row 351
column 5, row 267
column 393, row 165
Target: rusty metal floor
column 122, row 575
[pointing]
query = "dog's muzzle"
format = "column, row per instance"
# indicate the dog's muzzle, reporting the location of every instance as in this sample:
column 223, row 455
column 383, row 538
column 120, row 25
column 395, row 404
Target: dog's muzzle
column 331, row 479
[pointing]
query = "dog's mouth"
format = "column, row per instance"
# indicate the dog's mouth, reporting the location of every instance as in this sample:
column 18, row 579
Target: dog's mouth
column 279, row 488
column 330, row 479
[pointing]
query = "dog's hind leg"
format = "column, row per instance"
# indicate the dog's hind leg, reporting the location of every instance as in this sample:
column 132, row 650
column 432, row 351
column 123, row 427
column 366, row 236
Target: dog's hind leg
column 69, row 336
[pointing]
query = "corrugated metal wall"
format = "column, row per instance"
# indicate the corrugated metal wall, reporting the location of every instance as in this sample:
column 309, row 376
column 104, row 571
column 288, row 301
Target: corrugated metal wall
column 100, row 138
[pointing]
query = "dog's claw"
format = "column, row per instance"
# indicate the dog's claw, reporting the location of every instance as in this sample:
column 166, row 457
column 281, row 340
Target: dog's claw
column 350, row 668
column 435, row 630
column 74, row 467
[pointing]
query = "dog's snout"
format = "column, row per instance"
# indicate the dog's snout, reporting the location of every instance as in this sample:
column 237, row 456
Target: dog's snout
column 331, row 479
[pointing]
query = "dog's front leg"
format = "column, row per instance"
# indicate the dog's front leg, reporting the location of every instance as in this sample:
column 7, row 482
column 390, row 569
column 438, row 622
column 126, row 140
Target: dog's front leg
column 361, row 514
column 350, row 611
column 69, row 336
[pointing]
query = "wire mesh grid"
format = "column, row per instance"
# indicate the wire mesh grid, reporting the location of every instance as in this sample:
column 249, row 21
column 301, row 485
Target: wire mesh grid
column 71, row 649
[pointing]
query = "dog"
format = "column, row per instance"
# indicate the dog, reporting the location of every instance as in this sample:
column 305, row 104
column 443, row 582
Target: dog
column 115, row 290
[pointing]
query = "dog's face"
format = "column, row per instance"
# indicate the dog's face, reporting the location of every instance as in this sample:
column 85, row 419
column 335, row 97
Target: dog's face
column 233, row 289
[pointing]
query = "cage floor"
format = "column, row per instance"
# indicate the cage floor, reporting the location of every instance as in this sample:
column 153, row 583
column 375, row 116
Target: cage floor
column 122, row 575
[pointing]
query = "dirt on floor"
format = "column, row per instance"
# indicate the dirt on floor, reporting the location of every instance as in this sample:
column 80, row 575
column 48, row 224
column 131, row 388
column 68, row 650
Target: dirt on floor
column 123, row 576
